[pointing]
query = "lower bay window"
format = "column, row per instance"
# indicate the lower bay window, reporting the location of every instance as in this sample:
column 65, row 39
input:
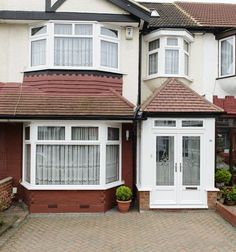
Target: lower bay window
column 71, row 156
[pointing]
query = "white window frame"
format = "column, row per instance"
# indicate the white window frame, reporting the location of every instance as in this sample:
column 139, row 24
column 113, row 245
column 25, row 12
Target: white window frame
column 157, row 50
column 102, row 142
column 220, row 42
column 163, row 35
column 96, row 36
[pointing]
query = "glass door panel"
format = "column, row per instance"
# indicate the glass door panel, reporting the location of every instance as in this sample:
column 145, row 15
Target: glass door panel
column 165, row 160
column 191, row 160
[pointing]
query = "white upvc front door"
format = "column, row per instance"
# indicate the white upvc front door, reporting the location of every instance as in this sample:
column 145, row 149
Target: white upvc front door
column 178, row 171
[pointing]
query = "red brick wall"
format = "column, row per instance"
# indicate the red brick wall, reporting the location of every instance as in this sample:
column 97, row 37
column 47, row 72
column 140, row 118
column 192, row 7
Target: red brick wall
column 6, row 186
column 228, row 104
column 11, row 151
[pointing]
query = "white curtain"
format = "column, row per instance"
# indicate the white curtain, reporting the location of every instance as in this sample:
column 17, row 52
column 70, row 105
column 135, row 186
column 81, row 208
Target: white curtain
column 227, row 57
column 73, row 51
column 165, row 161
column 186, row 64
column 112, row 163
column 191, row 160
column 171, row 61
column 27, row 162
column 153, row 63
column 85, row 133
column 67, row 164
column 51, row 133
column 38, row 52
column 109, row 54
column 83, row 29
column 65, row 29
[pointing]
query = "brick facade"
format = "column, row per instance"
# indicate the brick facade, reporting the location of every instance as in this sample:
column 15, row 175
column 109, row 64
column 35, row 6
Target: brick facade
column 143, row 201
column 212, row 199
column 6, row 186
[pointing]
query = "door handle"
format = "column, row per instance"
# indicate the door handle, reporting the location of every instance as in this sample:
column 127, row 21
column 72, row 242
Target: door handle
column 175, row 167
column 180, row 167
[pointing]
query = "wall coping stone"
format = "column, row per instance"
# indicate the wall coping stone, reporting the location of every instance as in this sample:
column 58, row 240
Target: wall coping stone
column 2, row 181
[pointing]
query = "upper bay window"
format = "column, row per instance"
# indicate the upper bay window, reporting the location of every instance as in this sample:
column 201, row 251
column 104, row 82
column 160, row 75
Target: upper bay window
column 227, row 56
column 168, row 53
column 74, row 46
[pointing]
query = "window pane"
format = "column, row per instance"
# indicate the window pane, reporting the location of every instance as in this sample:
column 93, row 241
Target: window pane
column 63, row 29
column 73, row 52
column 83, row 29
column 186, row 64
column 165, row 123
column 112, row 163
column 84, row 133
column 192, row 123
column 51, row 133
column 153, row 64
column 27, row 133
column 38, row 30
column 155, row 44
column 164, row 161
column 186, row 46
column 27, row 162
column 191, row 160
column 172, row 62
column 109, row 54
column 109, row 32
column 113, row 134
column 67, row 165
column 227, row 56
column 172, row 41
column 38, row 52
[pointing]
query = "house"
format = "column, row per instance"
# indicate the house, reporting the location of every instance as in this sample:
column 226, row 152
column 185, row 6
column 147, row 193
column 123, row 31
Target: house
column 99, row 93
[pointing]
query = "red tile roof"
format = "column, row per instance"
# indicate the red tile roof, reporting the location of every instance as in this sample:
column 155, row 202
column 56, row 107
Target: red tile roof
column 210, row 14
column 174, row 96
column 24, row 100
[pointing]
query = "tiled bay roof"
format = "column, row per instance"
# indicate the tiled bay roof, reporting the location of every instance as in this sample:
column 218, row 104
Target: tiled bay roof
column 170, row 16
column 174, row 96
column 25, row 101
column 211, row 14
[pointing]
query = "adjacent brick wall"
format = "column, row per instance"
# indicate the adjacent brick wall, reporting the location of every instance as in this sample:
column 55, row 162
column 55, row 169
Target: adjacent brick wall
column 6, row 186
column 212, row 199
column 143, row 201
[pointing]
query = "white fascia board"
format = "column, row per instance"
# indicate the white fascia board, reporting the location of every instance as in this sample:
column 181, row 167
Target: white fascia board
column 169, row 32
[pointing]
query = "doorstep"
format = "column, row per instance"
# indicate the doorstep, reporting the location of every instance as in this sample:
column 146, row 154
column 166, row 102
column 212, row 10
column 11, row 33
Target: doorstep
column 227, row 212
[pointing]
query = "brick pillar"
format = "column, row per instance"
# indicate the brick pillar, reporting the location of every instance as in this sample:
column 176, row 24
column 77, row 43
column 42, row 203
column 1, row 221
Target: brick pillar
column 6, row 186
column 143, row 201
column 212, row 199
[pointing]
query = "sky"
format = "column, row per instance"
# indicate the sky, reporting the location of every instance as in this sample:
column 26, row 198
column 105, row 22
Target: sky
column 168, row 1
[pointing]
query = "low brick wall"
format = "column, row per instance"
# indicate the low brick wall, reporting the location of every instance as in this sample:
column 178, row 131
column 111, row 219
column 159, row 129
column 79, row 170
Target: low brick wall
column 226, row 213
column 6, row 186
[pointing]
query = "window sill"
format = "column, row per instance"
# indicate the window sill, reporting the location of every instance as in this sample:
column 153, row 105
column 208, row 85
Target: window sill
column 167, row 76
column 71, row 187
column 100, row 69
column 226, row 77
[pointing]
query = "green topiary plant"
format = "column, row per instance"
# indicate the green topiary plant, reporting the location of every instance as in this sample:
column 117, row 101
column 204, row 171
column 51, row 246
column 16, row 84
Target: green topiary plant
column 223, row 176
column 123, row 193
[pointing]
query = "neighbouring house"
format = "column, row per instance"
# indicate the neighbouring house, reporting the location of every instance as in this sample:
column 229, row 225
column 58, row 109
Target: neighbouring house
column 99, row 93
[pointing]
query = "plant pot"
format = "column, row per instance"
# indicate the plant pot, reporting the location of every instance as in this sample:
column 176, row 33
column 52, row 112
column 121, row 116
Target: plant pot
column 229, row 202
column 123, row 206
column 219, row 185
column 222, row 200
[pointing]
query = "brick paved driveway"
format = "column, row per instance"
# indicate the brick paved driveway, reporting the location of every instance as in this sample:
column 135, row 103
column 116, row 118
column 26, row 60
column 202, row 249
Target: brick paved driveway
column 149, row 231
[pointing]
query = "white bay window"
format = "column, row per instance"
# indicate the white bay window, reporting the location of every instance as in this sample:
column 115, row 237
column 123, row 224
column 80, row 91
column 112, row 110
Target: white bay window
column 71, row 156
column 168, row 53
column 74, row 46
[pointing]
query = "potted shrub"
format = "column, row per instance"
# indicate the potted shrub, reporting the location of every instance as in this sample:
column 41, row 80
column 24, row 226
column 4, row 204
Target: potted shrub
column 123, row 198
column 222, row 177
column 230, row 198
